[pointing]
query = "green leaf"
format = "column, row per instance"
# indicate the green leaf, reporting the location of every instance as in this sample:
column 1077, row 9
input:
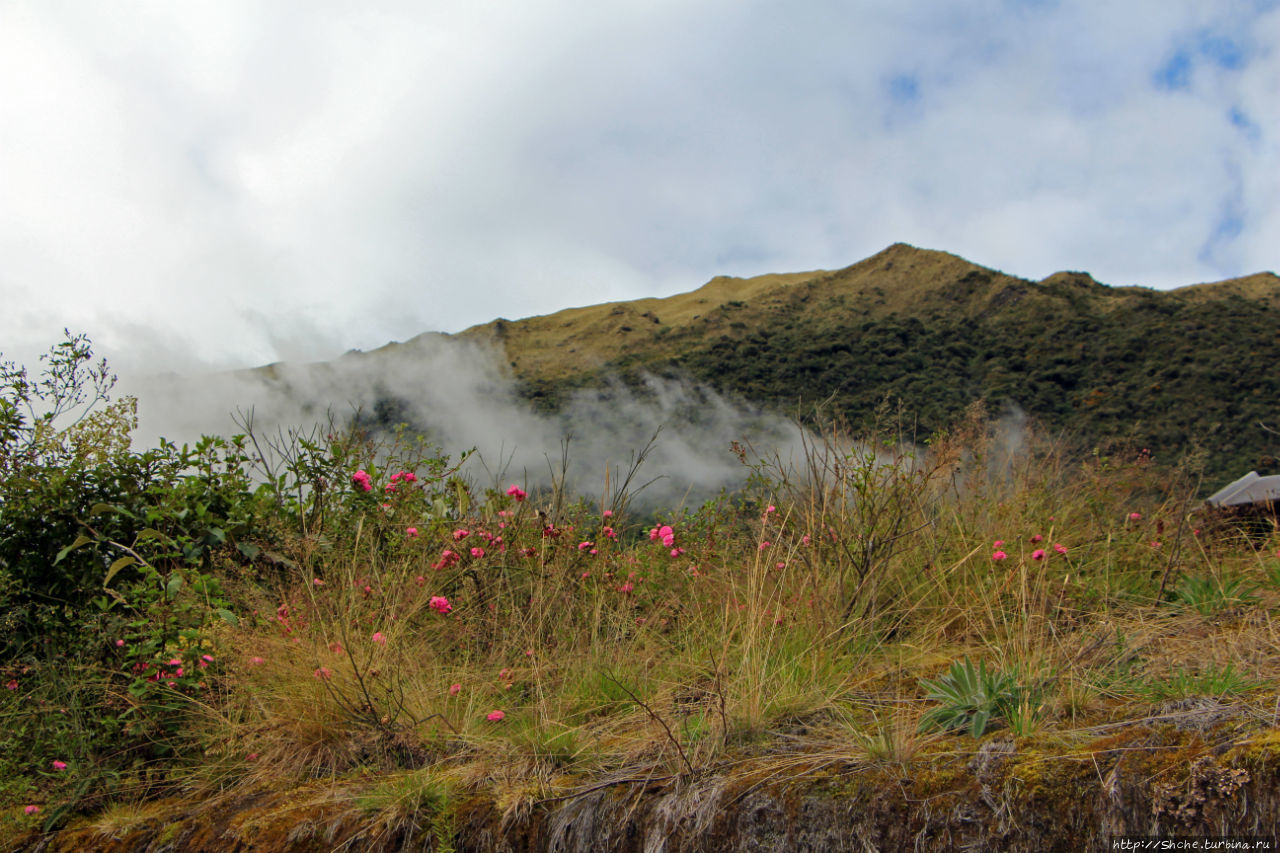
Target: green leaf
column 228, row 617
column 82, row 539
column 147, row 533
column 116, row 567
column 172, row 587
column 248, row 549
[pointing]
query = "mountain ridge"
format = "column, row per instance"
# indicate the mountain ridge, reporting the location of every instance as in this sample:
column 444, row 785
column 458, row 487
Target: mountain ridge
column 1108, row 366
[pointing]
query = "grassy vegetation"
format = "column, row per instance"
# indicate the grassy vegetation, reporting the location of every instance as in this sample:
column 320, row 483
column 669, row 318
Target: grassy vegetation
column 1160, row 370
column 357, row 620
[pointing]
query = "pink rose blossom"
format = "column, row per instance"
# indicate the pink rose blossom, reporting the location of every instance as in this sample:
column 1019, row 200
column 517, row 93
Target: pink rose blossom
column 1061, row 549
column 31, row 810
column 1037, row 538
column 411, row 532
column 477, row 552
column 455, row 689
column 379, row 637
column 495, row 716
column 440, row 604
column 1135, row 516
column 518, row 493
column 59, row 765
column 1037, row 554
column 999, row 555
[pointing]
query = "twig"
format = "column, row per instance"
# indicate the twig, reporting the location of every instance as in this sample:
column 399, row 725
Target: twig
column 634, row 698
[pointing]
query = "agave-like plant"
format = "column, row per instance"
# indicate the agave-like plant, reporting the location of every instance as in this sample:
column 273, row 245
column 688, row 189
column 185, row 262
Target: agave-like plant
column 971, row 697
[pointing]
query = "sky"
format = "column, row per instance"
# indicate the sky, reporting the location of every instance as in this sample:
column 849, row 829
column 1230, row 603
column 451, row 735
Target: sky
column 209, row 185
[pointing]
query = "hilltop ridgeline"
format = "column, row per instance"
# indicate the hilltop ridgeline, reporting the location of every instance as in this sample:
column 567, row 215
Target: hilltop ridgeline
column 1165, row 370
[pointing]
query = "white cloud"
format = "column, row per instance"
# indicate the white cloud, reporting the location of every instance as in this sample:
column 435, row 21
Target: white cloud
column 233, row 183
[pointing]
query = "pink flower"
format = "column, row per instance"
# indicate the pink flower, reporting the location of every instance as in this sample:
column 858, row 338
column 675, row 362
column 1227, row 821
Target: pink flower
column 59, row 765
column 1061, row 549
column 361, row 479
column 379, row 637
column 256, row 661
column 805, row 540
column 518, row 493
column 477, row 552
column 447, row 559
column 323, row 673
column 460, row 534
column 765, row 545
column 31, row 809
column 495, row 716
column 583, row 546
column 999, row 555
column 440, row 604
column 409, row 476
column 1037, row 538
column 608, row 513
column 609, row 533
column 771, row 508
column 669, row 540
column 420, row 580
column 119, row 644
column 999, row 543
column 253, row 756
column 626, row 587
column 317, row 582
column 335, row 647
column 1037, row 554
column 411, row 532
column 1135, row 516
column 665, row 531
column 455, row 689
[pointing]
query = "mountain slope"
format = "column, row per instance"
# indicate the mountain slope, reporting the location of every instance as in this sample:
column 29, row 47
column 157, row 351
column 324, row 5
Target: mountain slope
column 1164, row 370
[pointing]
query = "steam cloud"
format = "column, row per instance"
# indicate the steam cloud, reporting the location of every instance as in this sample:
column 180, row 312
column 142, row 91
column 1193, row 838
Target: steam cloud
column 459, row 395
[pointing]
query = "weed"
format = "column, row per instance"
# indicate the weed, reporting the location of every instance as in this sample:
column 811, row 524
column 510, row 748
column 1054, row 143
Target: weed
column 1209, row 596
column 972, row 698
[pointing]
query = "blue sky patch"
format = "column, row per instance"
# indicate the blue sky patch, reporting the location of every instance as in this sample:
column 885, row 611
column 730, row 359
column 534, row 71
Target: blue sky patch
column 1241, row 121
column 1222, row 51
column 904, row 88
column 1176, row 73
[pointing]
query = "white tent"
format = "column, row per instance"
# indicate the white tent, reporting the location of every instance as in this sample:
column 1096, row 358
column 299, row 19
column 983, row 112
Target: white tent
column 1249, row 489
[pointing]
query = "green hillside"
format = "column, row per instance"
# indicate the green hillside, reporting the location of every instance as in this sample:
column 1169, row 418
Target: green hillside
column 1164, row 370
